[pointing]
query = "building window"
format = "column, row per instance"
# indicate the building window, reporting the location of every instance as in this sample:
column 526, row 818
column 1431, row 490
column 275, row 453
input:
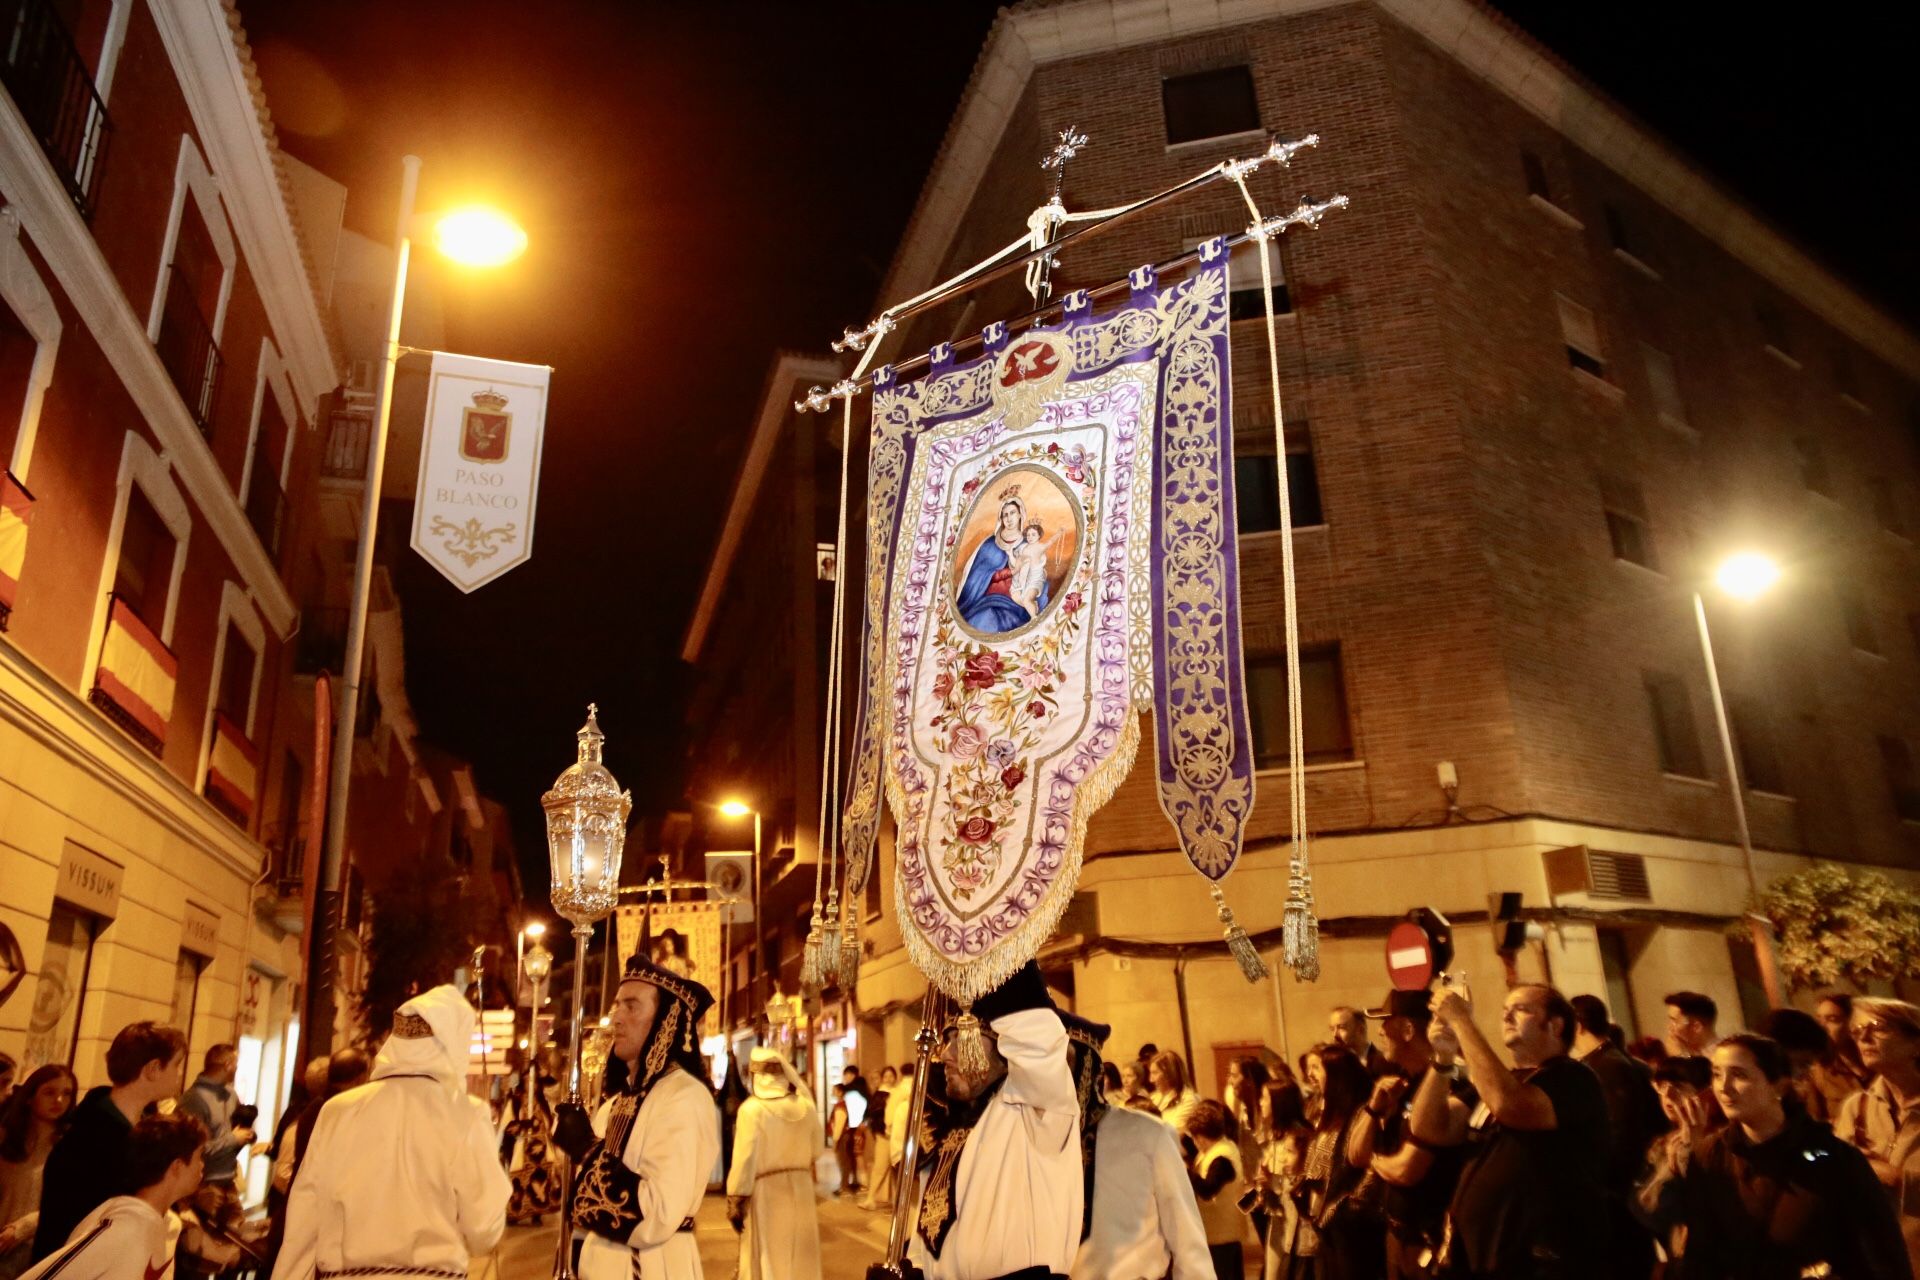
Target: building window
column 1256, row 486
column 143, row 576
column 1582, row 337
column 1756, row 746
column 1773, row 329
column 1627, row 525
column 1616, row 229
column 1858, row 619
column 1535, row 174
column 1845, row 380
column 1209, row 104
column 1815, row 475
column 1244, row 284
column 1673, row 728
column 1896, row 763
column 1665, row 385
column 266, row 505
column 1886, row 505
column 188, row 346
column 234, row 695
column 1325, row 729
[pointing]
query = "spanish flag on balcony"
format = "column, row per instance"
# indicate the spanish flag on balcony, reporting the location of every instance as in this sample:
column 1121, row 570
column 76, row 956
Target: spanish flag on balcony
column 232, row 769
column 136, row 672
column 16, row 509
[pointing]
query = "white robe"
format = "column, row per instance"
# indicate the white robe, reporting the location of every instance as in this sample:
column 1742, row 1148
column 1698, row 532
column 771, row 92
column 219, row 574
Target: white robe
column 775, row 1142
column 403, row 1173
column 673, row 1146
column 1019, row 1188
column 1145, row 1217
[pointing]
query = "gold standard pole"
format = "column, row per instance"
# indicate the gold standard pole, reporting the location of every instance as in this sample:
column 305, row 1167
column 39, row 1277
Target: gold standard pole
column 582, row 939
column 906, row 1190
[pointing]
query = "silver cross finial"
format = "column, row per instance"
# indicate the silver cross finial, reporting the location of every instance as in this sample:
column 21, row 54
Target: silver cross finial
column 1071, row 140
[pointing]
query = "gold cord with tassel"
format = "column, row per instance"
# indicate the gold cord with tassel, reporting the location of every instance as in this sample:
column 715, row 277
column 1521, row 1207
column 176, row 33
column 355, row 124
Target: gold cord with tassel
column 969, row 1050
column 1300, row 931
column 1238, row 942
column 830, row 942
column 810, row 975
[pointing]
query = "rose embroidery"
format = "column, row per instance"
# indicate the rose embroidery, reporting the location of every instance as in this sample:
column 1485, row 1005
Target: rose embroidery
column 982, row 670
column 965, row 742
column 976, row 830
column 1012, row 776
column 1036, row 708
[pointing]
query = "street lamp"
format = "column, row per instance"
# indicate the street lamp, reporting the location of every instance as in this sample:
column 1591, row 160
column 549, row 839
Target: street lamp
column 1745, row 577
column 586, row 833
column 737, row 808
column 461, row 239
column 538, row 965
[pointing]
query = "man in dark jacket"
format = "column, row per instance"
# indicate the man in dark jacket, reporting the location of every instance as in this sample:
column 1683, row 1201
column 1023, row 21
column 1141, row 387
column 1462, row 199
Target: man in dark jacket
column 145, row 1063
column 1634, row 1119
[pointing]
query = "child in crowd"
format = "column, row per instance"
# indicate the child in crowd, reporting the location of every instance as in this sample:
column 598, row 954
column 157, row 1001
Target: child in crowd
column 1282, row 1194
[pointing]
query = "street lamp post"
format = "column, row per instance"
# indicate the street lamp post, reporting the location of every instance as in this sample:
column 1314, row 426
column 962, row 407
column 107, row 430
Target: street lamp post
column 460, row 237
column 538, row 964
column 586, row 833
column 1745, row 577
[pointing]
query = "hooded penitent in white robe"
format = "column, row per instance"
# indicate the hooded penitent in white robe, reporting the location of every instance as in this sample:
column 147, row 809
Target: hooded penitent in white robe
column 402, row 1174
column 1145, row 1217
column 672, row 1146
column 1019, row 1186
column 775, row 1142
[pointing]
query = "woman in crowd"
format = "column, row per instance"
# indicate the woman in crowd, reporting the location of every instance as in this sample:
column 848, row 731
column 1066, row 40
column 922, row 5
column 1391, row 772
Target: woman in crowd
column 1774, row 1195
column 1133, row 1085
column 31, row 1121
column 880, row 1149
column 1218, row 1184
column 1841, row 1073
column 1678, row 1082
column 1879, row 1119
column 1352, row 1240
column 1246, row 1084
column 1172, row 1095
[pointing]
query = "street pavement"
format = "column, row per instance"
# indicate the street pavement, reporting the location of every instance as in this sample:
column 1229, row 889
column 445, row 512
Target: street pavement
column 851, row 1239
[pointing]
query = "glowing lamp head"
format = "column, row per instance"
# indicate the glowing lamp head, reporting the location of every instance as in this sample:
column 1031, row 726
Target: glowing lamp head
column 479, row 238
column 736, row 808
column 536, row 929
column 1747, row 576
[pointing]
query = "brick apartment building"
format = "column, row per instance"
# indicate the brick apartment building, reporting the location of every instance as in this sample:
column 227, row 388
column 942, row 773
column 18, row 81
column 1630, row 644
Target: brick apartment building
column 171, row 374
column 1539, row 378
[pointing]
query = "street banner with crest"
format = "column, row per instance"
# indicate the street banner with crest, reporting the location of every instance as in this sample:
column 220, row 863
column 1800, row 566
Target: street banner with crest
column 1051, row 555
column 479, row 466
column 682, row 936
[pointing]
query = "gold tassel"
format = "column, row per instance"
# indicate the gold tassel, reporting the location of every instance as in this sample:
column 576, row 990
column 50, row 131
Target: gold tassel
column 849, row 967
column 810, row 976
column 1238, row 942
column 1300, row 931
column 969, row 1050
column 830, row 942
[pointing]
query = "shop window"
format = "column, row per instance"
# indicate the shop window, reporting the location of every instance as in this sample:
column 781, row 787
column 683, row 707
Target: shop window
column 1675, row 735
column 1209, row 104
column 61, row 993
column 1326, row 730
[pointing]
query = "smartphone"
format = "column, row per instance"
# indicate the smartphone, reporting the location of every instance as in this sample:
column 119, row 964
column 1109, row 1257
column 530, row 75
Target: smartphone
column 1455, row 980
column 1250, row 1201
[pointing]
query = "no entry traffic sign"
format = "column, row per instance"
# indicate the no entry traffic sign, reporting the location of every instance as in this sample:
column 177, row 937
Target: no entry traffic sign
column 1417, row 948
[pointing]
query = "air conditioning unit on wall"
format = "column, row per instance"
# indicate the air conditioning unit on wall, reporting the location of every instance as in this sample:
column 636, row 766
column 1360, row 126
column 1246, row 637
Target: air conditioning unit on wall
column 1615, row 877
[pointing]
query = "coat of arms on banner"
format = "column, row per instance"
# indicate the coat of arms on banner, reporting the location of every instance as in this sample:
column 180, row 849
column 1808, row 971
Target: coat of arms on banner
column 1048, row 546
column 485, row 429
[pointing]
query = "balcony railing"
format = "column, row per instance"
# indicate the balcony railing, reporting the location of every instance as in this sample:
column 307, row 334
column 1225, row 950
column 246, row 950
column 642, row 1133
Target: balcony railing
column 323, row 641
column 48, row 81
column 188, row 350
column 267, row 513
column 346, row 456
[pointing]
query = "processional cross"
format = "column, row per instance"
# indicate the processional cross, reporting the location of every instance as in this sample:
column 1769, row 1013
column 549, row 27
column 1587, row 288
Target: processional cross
column 1054, row 213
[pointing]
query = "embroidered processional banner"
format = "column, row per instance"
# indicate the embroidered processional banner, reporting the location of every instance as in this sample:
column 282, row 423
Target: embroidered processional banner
column 1037, row 569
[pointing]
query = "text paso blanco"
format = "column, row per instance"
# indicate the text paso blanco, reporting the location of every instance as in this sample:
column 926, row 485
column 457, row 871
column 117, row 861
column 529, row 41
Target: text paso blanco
column 473, row 509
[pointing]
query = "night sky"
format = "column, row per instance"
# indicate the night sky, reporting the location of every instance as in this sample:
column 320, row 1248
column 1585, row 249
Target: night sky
column 703, row 187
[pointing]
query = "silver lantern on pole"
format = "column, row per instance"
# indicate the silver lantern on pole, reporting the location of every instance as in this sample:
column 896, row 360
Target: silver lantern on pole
column 586, row 833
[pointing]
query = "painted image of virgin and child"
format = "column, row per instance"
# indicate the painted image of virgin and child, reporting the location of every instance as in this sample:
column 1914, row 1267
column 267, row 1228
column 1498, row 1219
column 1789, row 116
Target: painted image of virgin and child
column 1006, row 583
